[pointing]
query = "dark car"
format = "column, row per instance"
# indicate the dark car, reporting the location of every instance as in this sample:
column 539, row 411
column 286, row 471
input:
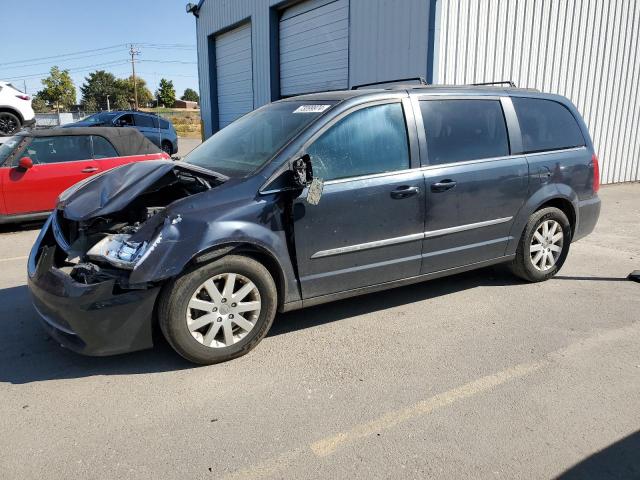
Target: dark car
column 158, row 130
column 312, row 199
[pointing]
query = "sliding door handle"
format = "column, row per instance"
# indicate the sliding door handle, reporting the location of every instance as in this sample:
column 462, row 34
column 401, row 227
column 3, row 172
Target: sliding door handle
column 404, row 192
column 443, row 185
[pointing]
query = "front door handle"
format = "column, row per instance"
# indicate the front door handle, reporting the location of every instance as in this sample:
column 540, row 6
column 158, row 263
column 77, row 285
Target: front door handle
column 404, row 192
column 89, row 169
column 443, row 185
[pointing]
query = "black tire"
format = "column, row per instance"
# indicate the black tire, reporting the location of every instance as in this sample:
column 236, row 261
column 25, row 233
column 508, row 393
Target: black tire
column 9, row 123
column 522, row 266
column 175, row 297
column 167, row 148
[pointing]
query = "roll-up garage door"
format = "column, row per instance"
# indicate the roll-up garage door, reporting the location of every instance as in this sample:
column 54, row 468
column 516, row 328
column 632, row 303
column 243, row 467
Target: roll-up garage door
column 314, row 47
column 234, row 74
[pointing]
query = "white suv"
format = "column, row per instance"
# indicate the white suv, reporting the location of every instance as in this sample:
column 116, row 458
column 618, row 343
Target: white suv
column 15, row 110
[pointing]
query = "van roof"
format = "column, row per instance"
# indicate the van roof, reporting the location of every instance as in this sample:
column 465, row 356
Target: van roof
column 416, row 88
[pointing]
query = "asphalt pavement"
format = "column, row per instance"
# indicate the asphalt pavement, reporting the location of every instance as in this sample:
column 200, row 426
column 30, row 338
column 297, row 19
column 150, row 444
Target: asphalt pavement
column 185, row 145
column 473, row 376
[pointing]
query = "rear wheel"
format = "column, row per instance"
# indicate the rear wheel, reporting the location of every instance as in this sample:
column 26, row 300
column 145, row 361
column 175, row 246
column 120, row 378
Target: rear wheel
column 219, row 311
column 544, row 245
column 9, row 123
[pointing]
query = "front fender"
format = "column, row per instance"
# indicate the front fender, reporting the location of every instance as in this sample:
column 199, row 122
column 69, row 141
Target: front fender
column 182, row 242
column 544, row 194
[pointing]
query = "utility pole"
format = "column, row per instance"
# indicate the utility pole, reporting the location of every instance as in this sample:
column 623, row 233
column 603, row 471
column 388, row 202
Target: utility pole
column 108, row 106
column 133, row 52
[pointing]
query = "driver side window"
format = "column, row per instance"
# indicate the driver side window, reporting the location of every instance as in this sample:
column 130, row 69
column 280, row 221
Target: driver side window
column 370, row 140
column 125, row 120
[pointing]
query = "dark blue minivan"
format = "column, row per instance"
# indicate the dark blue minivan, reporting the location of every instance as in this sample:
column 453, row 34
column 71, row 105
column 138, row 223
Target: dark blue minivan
column 312, row 199
column 158, row 130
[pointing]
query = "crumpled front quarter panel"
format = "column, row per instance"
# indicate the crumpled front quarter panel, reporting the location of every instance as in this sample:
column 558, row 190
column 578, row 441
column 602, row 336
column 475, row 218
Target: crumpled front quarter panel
column 224, row 216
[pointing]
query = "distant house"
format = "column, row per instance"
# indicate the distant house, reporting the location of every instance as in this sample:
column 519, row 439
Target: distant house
column 185, row 104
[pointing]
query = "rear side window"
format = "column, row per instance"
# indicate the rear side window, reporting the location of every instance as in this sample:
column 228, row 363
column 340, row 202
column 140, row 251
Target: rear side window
column 461, row 130
column 164, row 125
column 370, row 140
column 546, row 125
column 143, row 121
column 102, row 148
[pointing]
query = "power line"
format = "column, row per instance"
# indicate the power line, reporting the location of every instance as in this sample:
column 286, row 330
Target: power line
column 165, row 74
column 168, row 61
column 71, row 70
column 168, row 46
column 27, row 75
column 48, row 62
column 157, row 46
column 63, row 55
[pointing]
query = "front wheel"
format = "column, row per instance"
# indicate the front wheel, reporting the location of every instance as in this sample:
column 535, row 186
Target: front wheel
column 167, row 148
column 219, row 311
column 544, row 245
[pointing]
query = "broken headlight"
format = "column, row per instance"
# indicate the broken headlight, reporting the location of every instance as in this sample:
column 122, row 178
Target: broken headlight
column 120, row 251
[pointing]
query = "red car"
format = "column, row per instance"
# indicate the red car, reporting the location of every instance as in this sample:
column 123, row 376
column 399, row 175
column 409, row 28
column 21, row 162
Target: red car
column 35, row 167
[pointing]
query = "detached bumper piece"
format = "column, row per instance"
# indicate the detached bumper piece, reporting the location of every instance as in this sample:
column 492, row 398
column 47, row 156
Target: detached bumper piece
column 90, row 318
column 635, row 276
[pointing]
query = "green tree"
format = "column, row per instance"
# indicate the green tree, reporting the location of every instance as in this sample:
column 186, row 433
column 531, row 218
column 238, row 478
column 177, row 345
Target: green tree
column 190, row 95
column 166, row 94
column 39, row 104
column 97, row 86
column 59, row 90
column 145, row 97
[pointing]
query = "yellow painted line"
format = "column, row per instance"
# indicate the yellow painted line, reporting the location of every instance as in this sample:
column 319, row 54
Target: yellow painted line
column 13, row 259
column 327, row 446
column 268, row 468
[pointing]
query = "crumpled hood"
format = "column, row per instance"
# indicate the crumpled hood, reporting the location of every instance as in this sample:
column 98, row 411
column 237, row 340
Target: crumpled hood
column 114, row 189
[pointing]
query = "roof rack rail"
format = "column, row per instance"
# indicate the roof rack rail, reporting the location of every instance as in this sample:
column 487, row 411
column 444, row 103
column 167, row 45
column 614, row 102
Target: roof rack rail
column 419, row 79
column 503, row 82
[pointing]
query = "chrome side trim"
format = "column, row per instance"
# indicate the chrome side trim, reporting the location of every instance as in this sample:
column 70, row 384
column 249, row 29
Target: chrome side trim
column 466, row 247
column 408, row 238
column 462, row 228
column 308, row 302
column 366, row 246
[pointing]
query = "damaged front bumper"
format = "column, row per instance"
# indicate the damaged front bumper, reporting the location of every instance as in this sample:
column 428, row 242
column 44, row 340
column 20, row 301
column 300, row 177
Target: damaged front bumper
column 96, row 318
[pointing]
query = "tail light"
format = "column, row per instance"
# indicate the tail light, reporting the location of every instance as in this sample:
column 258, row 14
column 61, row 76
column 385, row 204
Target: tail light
column 23, row 97
column 596, row 173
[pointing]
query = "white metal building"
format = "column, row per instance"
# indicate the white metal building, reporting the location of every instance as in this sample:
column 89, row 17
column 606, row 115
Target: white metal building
column 251, row 52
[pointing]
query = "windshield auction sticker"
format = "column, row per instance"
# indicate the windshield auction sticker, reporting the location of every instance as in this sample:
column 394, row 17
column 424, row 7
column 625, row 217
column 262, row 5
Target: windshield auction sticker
column 311, row 108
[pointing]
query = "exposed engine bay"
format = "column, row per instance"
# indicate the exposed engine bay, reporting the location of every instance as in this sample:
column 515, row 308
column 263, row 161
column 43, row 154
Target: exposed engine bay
column 111, row 244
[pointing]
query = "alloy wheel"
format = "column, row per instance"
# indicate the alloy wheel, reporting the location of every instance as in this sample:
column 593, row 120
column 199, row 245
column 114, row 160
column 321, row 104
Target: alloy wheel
column 546, row 245
column 8, row 124
column 223, row 310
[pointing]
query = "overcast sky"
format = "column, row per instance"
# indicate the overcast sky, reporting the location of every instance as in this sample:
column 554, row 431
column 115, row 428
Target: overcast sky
column 88, row 35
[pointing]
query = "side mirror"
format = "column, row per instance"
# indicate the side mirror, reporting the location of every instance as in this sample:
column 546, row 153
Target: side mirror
column 25, row 163
column 302, row 172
